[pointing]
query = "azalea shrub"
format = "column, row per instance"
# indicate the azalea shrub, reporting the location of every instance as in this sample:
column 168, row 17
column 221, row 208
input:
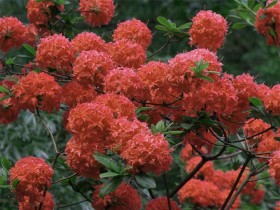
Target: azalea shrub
column 126, row 131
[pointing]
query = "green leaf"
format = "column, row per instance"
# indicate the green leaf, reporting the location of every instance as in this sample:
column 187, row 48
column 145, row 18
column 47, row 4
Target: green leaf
column 187, row 126
column 251, row 3
column 5, row 186
column 30, row 49
column 143, row 108
column 257, row 7
column 272, row 32
column 110, row 186
column 277, row 138
column 4, row 90
column 166, row 23
column 209, row 79
column 6, row 164
column 185, row 26
column 9, row 61
column 108, row 162
column 15, row 183
column 236, row 165
column 160, row 127
column 239, row 25
column 174, row 132
column 145, row 181
column 108, row 174
column 272, row 4
column 59, row 2
column 161, row 28
column 255, row 101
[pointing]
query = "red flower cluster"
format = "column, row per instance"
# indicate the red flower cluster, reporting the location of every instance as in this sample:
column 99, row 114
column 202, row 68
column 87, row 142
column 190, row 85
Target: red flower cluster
column 97, row 12
column 91, row 67
column 133, row 30
column 127, row 82
column 208, row 30
column 55, row 52
column 38, row 91
column 267, row 20
column 40, row 13
column 123, row 198
column 162, row 204
column 48, row 204
column 274, row 166
column 271, row 99
column 34, row 176
column 9, row 109
column 11, row 33
column 74, row 93
column 79, row 151
column 127, row 53
column 120, row 105
column 86, row 41
column 30, row 35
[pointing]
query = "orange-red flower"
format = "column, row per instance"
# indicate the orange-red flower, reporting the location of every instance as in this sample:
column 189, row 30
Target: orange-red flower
column 74, row 93
column 30, row 35
column 162, row 204
column 91, row 66
column 40, row 13
column 127, row 53
column 38, row 91
column 123, row 198
column 133, row 30
column 126, row 81
column 271, row 100
column 97, row 12
column 55, row 52
column 268, row 23
column 79, row 151
column 274, row 167
column 48, row 203
column 11, row 33
column 208, row 30
column 90, row 119
column 34, row 175
column 120, row 105
column 86, row 41
column 148, row 153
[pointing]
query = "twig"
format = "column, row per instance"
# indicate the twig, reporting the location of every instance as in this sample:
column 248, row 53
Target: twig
column 167, row 191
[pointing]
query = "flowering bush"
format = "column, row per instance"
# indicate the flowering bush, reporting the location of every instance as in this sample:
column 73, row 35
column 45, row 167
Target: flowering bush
column 131, row 122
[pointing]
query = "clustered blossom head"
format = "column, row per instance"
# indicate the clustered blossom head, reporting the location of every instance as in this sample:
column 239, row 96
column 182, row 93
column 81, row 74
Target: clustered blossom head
column 40, row 13
column 162, row 204
column 86, row 41
column 267, row 20
column 55, row 52
column 79, row 157
column 126, row 81
column 33, row 175
column 48, row 203
column 9, row 108
column 38, row 90
column 183, row 77
column 30, row 35
column 89, row 119
column 11, row 33
column 91, row 67
column 208, row 30
column 74, row 93
column 271, row 100
column 123, row 198
column 274, row 167
column 97, row 12
column 148, row 153
column 120, row 105
column 127, row 53
column 133, row 30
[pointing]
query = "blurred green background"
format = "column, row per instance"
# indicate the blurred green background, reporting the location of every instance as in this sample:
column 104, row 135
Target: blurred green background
column 244, row 52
